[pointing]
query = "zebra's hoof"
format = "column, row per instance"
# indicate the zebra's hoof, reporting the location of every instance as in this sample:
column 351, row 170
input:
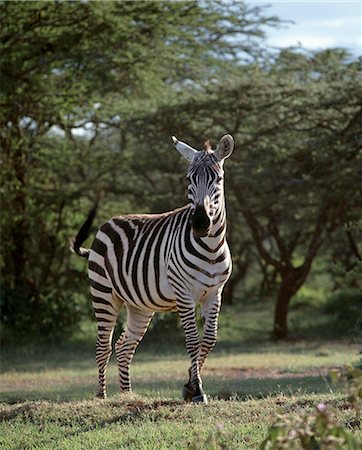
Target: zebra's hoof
column 200, row 399
column 101, row 395
column 187, row 393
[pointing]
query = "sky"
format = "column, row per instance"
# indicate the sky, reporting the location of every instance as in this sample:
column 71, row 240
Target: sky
column 318, row 24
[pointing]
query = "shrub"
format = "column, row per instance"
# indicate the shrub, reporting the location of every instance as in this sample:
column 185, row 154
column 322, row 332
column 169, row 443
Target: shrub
column 346, row 306
column 47, row 314
column 317, row 430
column 320, row 429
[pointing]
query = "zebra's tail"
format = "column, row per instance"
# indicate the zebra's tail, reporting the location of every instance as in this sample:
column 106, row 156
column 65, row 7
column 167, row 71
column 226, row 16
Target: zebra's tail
column 83, row 233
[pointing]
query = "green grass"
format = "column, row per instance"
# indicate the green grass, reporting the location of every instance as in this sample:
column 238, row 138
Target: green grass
column 46, row 390
column 135, row 422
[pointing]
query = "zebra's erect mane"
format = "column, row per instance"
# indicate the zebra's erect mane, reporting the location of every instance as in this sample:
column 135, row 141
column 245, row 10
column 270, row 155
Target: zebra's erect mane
column 205, row 159
column 137, row 218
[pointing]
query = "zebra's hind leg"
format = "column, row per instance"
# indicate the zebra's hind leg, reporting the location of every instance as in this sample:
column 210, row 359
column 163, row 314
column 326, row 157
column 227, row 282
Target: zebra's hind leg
column 106, row 308
column 137, row 324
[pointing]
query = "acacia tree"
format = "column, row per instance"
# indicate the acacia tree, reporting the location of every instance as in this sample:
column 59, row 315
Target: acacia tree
column 86, row 66
column 294, row 178
column 298, row 181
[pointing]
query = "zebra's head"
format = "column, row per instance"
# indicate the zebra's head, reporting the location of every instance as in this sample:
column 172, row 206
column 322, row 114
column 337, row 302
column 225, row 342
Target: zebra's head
column 206, row 181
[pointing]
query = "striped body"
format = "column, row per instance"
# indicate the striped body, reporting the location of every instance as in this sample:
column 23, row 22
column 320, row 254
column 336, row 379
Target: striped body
column 159, row 263
column 149, row 259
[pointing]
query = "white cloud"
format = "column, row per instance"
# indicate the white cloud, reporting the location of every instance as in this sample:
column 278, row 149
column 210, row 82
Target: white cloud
column 318, row 24
column 341, row 22
column 320, row 33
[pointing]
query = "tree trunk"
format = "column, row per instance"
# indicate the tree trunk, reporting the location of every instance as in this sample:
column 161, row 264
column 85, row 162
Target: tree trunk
column 228, row 292
column 19, row 227
column 280, row 330
column 292, row 280
column 238, row 275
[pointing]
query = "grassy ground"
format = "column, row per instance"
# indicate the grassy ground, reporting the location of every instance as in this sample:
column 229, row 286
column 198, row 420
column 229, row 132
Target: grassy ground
column 46, row 391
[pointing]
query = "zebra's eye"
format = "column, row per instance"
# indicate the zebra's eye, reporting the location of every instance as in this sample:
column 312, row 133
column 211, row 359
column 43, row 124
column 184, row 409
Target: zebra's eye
column 219, row 179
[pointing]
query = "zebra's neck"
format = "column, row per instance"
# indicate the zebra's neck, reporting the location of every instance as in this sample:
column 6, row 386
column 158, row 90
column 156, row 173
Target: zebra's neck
column 218, row 228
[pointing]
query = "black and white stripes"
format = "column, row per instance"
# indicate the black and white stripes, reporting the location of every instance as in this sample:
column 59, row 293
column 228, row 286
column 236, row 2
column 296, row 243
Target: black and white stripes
column 164, row 262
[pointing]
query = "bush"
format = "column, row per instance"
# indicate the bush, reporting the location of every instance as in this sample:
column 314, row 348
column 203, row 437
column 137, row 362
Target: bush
column 346, row 306
column 320, row 428
column 47, row 314
column 317, row 430
column 165, row 328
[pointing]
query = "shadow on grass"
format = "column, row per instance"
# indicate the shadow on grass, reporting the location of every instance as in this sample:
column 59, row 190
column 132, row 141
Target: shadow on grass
column 236, row 389
column 230, row 389
column 38, row 357
column 243, row 329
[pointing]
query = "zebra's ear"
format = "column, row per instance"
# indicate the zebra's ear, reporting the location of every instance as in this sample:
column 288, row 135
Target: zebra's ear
column 225, row 147
column 186, row 151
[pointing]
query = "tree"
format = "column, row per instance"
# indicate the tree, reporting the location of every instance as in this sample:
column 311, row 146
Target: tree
column 302, row 177
column 305, row 185
column 68, row 66
column 294, row 177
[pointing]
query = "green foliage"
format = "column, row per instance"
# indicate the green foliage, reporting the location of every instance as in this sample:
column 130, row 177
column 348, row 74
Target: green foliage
column 53, row 314
column 91, row 93
column 346, row 260
column 166, row 325
column 89, row 66
column 346, row 306
column 349, row 379
column 317, row 430
column 320, row 429
column 296, row 120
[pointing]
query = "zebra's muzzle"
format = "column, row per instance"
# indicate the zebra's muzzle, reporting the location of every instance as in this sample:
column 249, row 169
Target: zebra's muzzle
column 201, row 222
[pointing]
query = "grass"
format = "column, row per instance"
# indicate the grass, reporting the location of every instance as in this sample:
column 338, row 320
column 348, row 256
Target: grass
column 46, row 390
column 135, row 422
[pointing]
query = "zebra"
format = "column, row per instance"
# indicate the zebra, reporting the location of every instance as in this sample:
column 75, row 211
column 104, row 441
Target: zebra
column 163, row 262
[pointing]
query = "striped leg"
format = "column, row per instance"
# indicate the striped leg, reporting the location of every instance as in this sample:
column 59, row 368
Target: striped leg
column 137, row 324
column 210, row 310
column 193, row 389
column 106, row 308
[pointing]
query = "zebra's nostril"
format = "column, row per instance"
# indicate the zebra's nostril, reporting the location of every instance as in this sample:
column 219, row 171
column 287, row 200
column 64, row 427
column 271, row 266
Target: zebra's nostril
column 201, row 222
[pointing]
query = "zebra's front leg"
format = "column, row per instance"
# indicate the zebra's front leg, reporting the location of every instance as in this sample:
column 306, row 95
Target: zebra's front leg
column 137, row 324
column 210, row 309
column 193, row 390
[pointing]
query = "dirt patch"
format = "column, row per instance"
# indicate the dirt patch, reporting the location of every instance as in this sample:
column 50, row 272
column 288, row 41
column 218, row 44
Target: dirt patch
column 226, row 373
